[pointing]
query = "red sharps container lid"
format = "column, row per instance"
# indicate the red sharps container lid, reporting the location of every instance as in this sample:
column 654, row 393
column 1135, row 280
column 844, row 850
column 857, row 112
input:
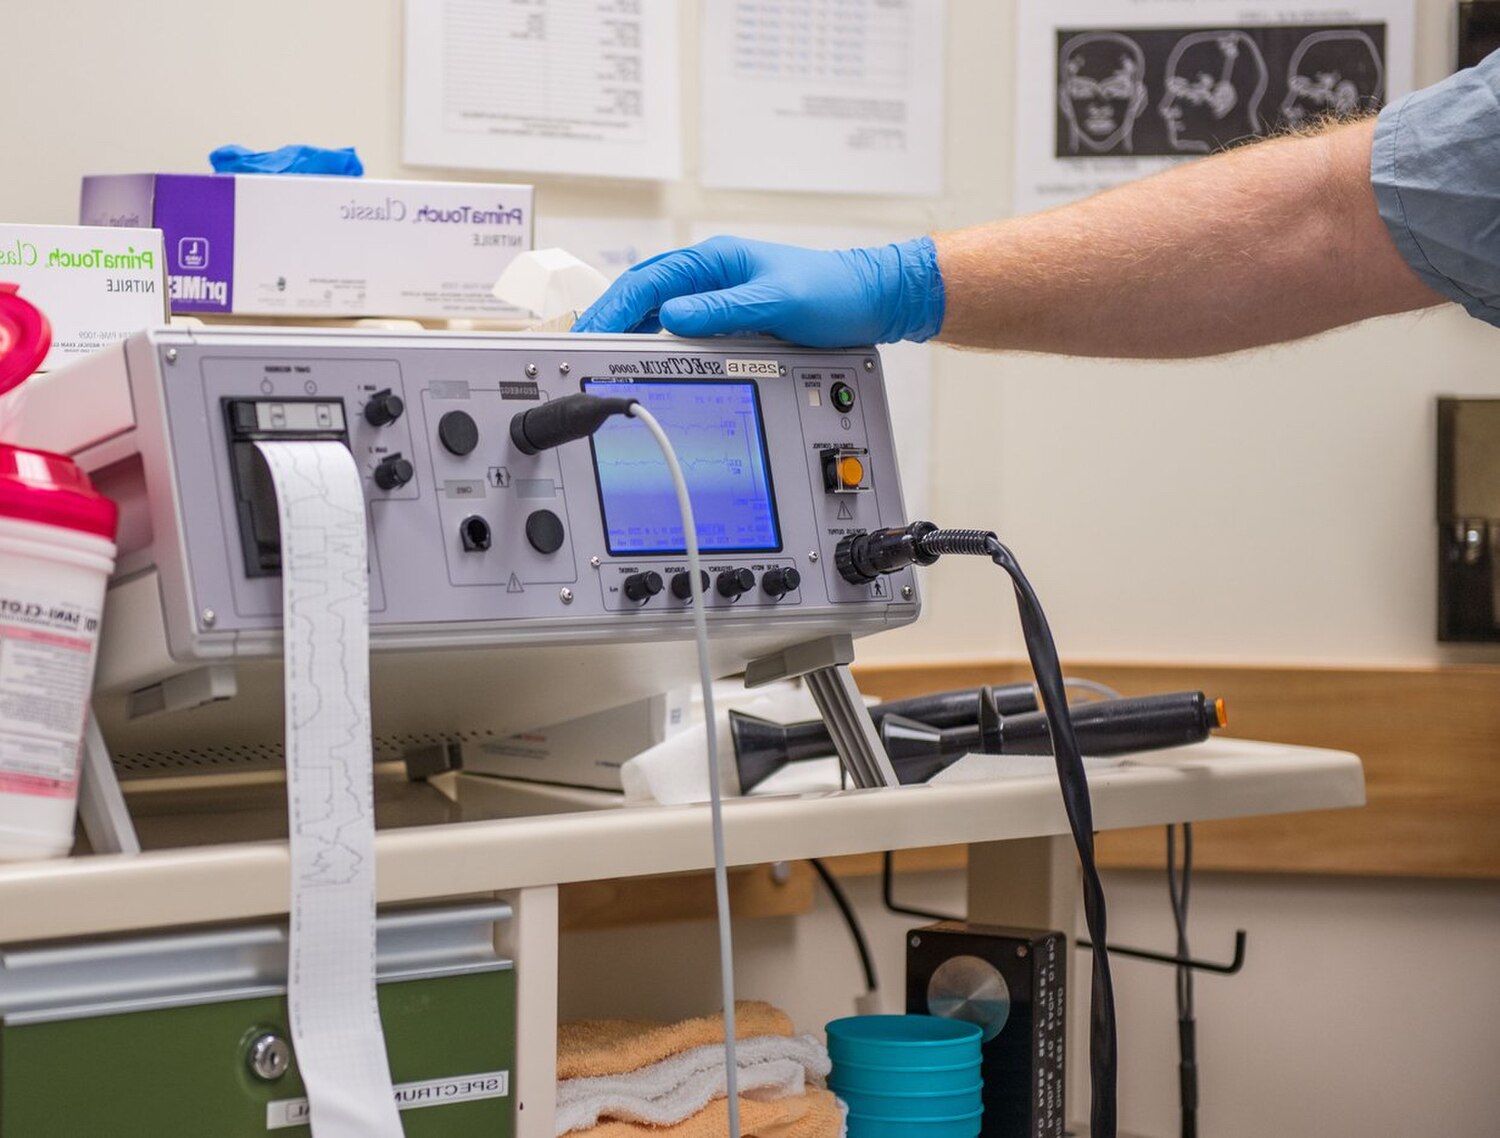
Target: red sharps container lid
column 50, row 488
column 36, row 486
column 25, row 337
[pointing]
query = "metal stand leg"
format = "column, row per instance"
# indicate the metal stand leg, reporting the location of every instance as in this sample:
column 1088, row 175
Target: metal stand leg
column 825, row 664
column 101, row 803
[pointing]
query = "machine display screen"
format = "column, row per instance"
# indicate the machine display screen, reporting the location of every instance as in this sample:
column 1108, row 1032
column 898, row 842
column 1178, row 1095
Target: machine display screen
column 716, row 431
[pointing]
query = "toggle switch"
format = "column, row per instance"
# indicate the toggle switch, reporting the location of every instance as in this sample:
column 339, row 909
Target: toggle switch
column 844, row 470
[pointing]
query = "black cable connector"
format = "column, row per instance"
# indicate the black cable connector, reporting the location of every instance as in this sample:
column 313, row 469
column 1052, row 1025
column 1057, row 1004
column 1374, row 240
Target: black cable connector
column 562, row 420
column 861, row 557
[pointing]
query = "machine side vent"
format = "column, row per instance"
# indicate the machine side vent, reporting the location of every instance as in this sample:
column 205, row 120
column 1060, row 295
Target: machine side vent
column 264, row 756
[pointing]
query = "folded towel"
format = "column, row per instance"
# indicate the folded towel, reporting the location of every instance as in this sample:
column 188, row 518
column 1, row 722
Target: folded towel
column 815, row 1114
column 770, row 1067
column 615, row 1046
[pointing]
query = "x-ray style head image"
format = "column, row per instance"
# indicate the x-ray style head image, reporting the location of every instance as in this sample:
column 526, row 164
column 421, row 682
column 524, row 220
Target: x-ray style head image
column 1333, row 74
column 1215, row 82
column 1101, row 91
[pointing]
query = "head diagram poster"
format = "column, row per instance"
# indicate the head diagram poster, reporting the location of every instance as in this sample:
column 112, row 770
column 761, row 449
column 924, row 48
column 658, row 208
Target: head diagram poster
column 1113, row 90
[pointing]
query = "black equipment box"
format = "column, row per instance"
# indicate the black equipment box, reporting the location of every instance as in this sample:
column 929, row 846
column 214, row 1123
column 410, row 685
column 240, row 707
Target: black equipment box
column 1012, row 982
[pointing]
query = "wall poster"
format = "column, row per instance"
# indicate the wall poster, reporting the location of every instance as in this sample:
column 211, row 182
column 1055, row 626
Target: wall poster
column 1108, row 92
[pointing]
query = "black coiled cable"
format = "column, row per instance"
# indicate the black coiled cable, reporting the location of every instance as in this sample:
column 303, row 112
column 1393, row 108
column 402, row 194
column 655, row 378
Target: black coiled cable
column 1073, row 780
column 960, row 542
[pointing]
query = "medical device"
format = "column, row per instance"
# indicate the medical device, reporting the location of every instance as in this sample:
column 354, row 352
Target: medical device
column 508, row 589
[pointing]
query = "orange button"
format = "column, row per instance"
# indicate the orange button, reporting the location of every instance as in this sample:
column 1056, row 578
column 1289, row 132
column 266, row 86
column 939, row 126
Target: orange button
column 851, row 471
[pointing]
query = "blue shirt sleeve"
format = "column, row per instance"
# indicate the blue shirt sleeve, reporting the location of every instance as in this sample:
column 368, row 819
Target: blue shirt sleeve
column 1435, row 168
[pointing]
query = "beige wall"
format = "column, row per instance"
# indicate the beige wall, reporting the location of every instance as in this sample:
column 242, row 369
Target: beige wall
column 1275, row 507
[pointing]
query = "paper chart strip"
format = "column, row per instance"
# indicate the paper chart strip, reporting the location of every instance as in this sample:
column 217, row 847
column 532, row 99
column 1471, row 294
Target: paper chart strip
column 335, row 1021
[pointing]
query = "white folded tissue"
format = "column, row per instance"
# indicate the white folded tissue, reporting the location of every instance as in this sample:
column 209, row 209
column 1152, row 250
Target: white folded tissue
column 675, row 771
column 770, row 1067
column 551, row 284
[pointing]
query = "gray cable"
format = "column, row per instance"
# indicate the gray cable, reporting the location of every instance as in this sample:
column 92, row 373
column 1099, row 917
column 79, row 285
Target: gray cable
column 716, row 807
column 1093, row 687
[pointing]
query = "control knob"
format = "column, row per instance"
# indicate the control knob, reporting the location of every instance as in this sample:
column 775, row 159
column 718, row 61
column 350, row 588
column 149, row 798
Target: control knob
column 393, row 472
column 734, row 582
column 779, row 582
column 643, row 586
column 383, row 407
column 682, row 585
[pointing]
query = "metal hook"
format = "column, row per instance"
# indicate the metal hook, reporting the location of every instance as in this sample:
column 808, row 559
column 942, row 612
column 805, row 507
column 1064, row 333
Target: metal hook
column 1183, row 962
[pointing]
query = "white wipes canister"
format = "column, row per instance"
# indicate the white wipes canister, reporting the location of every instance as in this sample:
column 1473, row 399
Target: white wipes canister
column 56, row 553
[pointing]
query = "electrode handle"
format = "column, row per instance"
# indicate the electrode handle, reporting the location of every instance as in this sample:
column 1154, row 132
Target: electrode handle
column 562, row 420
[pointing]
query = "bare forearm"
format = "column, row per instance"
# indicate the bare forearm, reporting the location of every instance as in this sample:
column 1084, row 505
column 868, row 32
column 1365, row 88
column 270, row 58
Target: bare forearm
column 1270, row 242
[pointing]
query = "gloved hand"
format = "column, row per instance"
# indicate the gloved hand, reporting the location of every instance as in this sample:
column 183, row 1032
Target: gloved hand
column 727, row 285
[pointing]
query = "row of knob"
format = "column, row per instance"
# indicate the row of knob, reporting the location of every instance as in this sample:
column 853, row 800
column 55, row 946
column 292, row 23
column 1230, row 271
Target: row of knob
column 382, row 409
column 731, row 583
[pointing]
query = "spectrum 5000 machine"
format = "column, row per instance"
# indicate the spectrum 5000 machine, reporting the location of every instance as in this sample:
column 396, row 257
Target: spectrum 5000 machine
column 507, row 590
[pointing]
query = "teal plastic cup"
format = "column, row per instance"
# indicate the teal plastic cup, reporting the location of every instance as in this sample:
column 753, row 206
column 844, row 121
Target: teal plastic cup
column 912, row 1104
column 897, row 1041
column 903, row 1076
column 936, row 1078
column 963, row 1126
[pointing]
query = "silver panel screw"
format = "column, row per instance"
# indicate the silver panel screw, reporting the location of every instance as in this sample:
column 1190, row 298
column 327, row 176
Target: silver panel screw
column 595, row 562
column 531, row 371
column 209, row 618
column 812, row 555
column 565, row 367
column 907, row 592
column 566, row 596
column 916, row 942
column 269, row 1057
column 869, row 365
column 171, row 355
column 781, row 368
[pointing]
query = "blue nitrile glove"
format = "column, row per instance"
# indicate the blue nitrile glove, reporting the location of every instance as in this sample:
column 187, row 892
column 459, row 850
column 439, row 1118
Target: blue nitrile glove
column 727, row 285
column 287, row 160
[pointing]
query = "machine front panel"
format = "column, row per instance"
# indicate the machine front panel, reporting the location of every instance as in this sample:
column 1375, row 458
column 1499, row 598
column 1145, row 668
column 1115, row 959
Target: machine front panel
column 785, row 451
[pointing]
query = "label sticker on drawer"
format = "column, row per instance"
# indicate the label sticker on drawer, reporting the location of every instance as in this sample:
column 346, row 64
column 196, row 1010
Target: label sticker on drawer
column 409, row 1096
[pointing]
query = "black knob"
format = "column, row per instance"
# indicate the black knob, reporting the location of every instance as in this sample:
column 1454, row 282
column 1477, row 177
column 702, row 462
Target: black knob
column 393, row 472
column 779, row 582
column 682, row 585
column 383, row 407
column 643, row 586
column 544, row 530
column 458, row 432
column 733, row 582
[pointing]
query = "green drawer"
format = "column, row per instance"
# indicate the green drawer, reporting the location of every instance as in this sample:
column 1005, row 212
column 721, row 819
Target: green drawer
column 182, row 1072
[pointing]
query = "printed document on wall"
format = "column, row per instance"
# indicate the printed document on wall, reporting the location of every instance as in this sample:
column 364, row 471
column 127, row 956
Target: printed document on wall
column 557, row 86
column 843, row 98
column 1109, row 91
